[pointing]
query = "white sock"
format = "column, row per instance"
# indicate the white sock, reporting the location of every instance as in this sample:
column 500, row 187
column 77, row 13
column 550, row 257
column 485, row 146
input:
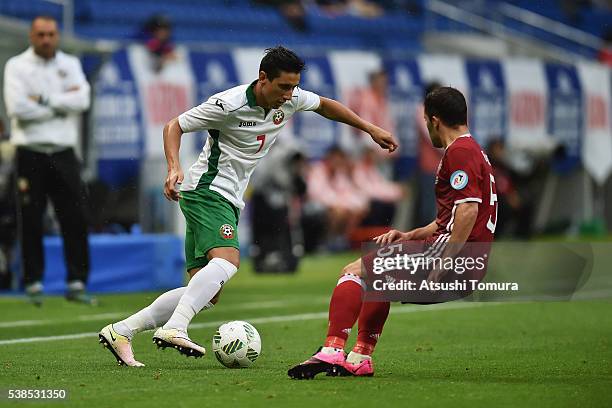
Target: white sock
column 152, row 316
column 356, row 358
column 330, row 350
column 201, row 289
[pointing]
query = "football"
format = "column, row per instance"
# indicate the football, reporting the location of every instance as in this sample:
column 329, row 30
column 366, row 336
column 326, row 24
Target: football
column 236, row 344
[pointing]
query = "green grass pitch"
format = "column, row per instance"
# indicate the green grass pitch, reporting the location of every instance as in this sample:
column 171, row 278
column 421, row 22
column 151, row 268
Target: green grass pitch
column 459, row 354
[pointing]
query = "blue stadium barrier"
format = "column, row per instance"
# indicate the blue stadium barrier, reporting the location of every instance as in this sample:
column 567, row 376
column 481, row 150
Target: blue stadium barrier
column 121, row 263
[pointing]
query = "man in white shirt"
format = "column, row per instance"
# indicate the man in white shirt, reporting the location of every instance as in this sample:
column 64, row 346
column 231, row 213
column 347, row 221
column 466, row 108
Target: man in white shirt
column 243, row 123
column 45, row 90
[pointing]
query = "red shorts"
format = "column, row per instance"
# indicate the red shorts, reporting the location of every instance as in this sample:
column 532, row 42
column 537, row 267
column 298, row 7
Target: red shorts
column 400, row 271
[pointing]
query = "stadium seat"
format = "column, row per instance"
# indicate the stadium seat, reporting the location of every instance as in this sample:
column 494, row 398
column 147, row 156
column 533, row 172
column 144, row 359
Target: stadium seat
column 243, row 23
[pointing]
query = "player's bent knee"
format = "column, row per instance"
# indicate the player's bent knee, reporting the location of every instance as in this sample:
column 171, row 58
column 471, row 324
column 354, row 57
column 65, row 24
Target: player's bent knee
column 354, row 268
column 230, row 254
column 225, row 267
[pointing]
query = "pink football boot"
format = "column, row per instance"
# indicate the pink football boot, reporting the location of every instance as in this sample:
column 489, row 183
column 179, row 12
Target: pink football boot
column 363, row 369
column 318, row 363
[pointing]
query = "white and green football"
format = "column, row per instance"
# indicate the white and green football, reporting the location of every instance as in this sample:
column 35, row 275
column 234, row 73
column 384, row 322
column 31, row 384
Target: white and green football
column 236, row 344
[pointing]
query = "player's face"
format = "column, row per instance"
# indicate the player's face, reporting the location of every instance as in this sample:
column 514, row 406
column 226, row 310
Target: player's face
column 433, row 126
column 280, row 89
column 44, row 37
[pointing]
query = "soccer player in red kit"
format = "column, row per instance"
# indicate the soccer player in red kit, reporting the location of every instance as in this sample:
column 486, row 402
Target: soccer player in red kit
column 466, row 202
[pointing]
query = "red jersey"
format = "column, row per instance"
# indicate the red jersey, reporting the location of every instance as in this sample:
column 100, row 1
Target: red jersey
column 465, row 175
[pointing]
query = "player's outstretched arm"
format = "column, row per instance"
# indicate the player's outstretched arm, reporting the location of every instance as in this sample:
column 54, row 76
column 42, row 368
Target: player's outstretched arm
column 415, row 234
column 172, row 144
column 334, row 110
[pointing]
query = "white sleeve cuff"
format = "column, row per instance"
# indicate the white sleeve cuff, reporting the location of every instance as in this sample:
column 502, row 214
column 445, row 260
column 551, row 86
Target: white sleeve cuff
column 469, row 200
column 182, row 121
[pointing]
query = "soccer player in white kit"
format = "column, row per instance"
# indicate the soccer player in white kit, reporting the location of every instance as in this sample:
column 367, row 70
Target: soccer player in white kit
column 242, row 123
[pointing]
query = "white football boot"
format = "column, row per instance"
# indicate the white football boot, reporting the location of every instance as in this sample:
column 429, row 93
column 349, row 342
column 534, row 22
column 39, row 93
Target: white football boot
column 179, row 340
column 119, row 345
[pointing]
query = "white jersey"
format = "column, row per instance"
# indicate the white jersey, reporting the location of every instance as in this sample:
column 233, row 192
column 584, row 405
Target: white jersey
column 55, row 122
column 240, row 134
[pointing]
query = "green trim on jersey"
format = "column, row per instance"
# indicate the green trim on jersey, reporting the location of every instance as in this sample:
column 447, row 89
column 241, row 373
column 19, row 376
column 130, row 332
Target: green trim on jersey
column 250, row 94
column 213, row 162
column 232, row 148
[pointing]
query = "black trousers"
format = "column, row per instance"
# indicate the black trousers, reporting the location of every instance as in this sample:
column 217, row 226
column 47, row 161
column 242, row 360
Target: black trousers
column 55, row 176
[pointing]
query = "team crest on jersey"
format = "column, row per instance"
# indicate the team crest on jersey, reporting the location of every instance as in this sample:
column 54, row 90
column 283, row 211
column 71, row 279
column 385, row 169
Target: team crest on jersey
column 226, row 231
column 278, row 117
column 459, row 179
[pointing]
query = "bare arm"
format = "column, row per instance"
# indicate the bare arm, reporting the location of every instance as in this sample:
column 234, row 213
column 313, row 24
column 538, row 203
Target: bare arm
column 172, row 144
column 423, row 232
column 415, row 234
column 336, row 111
column 208, row 115
column 465, row 218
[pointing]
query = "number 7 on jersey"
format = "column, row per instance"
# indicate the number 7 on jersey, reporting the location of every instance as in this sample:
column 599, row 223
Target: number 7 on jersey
column 262, row 139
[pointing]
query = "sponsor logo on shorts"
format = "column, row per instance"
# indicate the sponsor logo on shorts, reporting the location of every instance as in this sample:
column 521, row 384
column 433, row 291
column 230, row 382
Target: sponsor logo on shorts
column 459, row 179
column 226, row 231
column 278, row 117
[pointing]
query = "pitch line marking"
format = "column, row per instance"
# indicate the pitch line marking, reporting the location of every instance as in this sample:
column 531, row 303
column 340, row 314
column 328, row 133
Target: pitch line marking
column 307, row 316
column 273, row 304
column 258, row 320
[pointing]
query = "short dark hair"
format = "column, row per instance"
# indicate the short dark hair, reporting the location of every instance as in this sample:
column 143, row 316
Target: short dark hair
column 433, row 85
column 157, row 21
column 448, row 104
column 44, row 17
column 279, row 59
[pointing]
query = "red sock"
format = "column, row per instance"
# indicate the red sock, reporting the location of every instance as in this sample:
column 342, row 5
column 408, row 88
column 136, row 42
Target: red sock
column 372, row 318
column 344, row 310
